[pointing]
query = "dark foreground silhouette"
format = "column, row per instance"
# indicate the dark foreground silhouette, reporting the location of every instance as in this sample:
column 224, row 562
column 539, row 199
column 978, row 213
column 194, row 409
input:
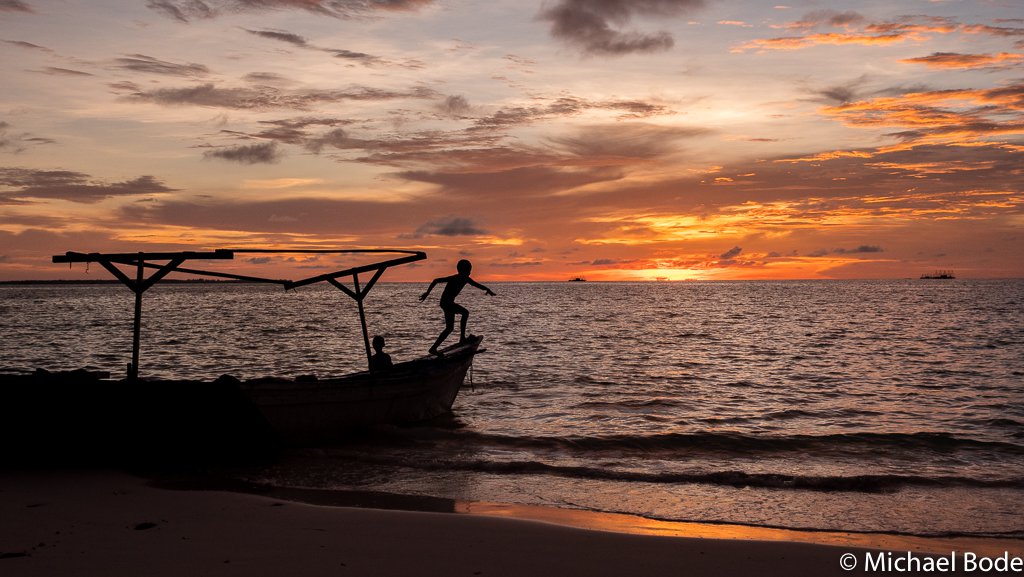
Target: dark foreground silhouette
column 453, row 286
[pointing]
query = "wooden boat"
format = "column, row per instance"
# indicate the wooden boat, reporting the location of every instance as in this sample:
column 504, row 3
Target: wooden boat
column 306, row 409
column 417, row 390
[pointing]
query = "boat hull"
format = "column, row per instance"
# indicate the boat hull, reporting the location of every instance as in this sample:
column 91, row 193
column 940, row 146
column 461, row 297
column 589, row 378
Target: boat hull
column 412, row 391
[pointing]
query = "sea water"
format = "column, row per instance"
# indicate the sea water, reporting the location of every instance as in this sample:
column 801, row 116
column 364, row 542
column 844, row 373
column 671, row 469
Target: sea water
column 893, row 406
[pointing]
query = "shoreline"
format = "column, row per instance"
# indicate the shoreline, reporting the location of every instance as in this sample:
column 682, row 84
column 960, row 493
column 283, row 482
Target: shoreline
column 109, row 523
column 622, row 523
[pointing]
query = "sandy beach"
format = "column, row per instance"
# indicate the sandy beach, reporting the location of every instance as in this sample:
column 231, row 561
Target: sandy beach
column 114, row 524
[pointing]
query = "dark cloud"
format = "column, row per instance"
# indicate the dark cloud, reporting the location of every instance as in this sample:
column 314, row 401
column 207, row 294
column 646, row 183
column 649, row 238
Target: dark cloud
column 301, row 42
column 16, row 142
column 309, row 215
column 74, row 186
column 858, row 88
column 352, row 55
column 53, row 71
column 183, row 10
column 452, row 226
column 14, row 6
column 26, row 45
column 262, row 153
column 864, row 248
column 588, row 24
column 841, row 93
column 266, row 97
column 731, row 253
column 454, row 106
column 567, row 106
column 281, row 36
column 143, row 63
column 188, row 10
column 337, row 138
column 827, row 18
column 266, row 78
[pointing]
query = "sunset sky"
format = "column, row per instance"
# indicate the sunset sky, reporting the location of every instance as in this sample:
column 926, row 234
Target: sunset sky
column 542, row 139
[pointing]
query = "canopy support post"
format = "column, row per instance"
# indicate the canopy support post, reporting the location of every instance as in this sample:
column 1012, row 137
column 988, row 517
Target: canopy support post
column 362, row 321
column 140, row 284
column 133, row 369
column 358, row 295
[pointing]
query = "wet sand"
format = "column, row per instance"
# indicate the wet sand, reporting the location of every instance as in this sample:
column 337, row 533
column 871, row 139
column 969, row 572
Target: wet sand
column 114, row 524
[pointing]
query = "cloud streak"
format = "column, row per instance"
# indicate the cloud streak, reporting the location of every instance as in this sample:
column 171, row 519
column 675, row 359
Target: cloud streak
column 262, row 153
column 18, row 142
column 189, row 10
column 451, row 226
column 857, row 32
column 150, row 65
column 22, row 183
column 954, row 60
column 263, row 97
column 14, row 6
column 301, row 42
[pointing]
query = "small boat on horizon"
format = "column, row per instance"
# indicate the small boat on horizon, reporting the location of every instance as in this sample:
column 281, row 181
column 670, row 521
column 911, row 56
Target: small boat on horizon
column 940, row 274
column 577, row 279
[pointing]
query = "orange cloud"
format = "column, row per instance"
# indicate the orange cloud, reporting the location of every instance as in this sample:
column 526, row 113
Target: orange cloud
column 833, row 38
column 954, row 60
column 962, row 118
column 881, row 33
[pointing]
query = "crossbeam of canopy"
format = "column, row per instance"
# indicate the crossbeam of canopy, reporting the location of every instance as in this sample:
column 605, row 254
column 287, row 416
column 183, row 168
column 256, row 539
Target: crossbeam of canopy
column 174, row 260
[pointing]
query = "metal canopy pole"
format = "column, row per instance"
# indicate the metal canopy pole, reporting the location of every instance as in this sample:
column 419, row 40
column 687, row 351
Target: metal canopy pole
column 133, row 369
column 358, row 295
column 362, row 321
column 140, row 284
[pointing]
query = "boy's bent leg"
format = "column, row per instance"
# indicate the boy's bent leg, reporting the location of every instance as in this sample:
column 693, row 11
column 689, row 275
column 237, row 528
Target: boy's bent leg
column 449, row 326
column 462, row 323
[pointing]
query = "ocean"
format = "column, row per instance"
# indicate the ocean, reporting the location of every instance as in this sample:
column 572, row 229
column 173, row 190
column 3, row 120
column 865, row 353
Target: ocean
column 890, row 406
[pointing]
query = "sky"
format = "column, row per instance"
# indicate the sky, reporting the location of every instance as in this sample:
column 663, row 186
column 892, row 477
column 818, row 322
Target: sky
column 541, row 139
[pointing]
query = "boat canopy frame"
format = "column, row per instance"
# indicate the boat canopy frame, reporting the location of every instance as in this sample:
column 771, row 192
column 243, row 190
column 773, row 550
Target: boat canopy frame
column 174, row 260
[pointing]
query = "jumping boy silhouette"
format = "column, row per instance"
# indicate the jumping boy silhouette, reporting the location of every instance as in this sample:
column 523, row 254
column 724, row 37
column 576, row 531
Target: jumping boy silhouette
column 454, row 285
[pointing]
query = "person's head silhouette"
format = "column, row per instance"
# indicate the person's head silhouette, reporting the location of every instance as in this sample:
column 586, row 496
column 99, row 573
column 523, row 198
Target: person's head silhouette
column 464, row 267
column 378, row 343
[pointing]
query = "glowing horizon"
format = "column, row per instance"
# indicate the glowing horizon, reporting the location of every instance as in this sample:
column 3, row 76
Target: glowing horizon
column 672, row 139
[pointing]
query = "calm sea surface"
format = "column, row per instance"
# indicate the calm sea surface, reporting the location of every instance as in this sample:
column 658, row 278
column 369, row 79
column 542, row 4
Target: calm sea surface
column 892, row 406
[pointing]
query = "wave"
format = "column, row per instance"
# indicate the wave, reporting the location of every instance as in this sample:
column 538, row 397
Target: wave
column 729, row 443
column 738, row 479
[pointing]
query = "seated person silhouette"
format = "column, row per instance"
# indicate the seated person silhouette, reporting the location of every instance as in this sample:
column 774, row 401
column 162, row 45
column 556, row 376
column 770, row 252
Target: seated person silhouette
column 453, row 286
column 380, row 361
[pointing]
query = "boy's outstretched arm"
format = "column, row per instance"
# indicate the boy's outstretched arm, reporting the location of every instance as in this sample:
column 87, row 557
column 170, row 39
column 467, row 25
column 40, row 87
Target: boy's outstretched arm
column 481, row 287
column 431, row 287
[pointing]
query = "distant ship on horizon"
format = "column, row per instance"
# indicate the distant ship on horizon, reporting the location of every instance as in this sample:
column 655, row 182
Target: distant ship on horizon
column 940, row 274
column 577, row 279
